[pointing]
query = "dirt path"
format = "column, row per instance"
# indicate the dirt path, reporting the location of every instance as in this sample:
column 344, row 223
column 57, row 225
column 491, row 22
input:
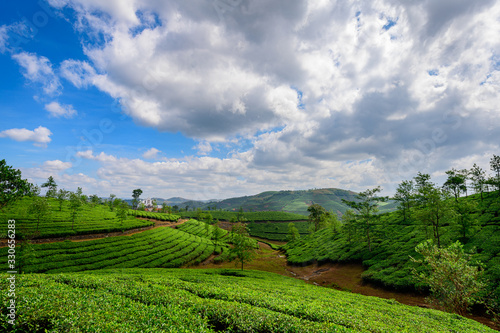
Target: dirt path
column 346, row 277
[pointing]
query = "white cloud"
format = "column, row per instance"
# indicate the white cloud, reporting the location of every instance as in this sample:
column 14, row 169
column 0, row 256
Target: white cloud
column 3, row 38
column 204, row 148
column 316, row 88
column 60, row 110
column 39, row 70
column 40, row 136
column 151, row 154
column 79, row 73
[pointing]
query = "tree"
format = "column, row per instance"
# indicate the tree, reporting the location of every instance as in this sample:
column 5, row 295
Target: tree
column 61, row 196
column 349, row 221
column 367, row 207
column 405, row 196
column 293, row 232
column 121, row 210
column 478, row 178
column 136, row 195
column 455, row 183
column 75, row 204
column 495, row 167
column 12, row 186
column 454, row 282
column 318, row 217
column 51, row 187
column 218, row 233
column 110, row 202
column 95, row 200
column 39, row 208
column 243, row 246
column 435, row 210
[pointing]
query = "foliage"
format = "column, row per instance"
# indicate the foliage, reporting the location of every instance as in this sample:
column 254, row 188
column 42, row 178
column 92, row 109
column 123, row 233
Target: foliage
column 136, row 194
column 180, row 300
column 51, row 187
column 39, row 208
column 278, row 231
column 367, row 206
column 293, row 232
column 12, row 186
column 243, row 247
column 495, row 167
column 318, row 217
column 59, row 222
column 453, row 281
column 263, row 216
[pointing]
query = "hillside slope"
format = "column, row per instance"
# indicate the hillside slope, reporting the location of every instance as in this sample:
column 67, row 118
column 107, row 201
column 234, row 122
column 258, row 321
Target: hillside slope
column 181, row 300
column 288, row 201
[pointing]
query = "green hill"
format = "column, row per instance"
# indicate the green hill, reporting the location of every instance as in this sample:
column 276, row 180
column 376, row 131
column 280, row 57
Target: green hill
column 288, row 201
column 183, row 300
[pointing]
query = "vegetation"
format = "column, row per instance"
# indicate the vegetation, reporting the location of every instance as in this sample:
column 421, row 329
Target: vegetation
column 428, row 212
column 12, row 186
column 454, row 283
column 276, row 231
column 156, row 216
column 64, row 218
column 180, row 300
column 160, row 247
column 243, row 247
column 247, row 216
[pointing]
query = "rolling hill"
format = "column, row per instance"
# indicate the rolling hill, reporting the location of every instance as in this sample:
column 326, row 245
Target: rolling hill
column 288, row 201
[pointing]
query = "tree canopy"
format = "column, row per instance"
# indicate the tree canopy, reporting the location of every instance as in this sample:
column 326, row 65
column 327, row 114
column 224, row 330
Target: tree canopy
column 12, row 186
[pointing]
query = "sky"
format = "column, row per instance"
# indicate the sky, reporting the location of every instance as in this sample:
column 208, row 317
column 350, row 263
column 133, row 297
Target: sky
column 211, row 99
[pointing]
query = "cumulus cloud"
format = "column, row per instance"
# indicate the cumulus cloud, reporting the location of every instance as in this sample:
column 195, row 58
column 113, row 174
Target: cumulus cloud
column 39, row 136
column 320, row 89
column 60, row 110
column 38, row 69
column 151, row 154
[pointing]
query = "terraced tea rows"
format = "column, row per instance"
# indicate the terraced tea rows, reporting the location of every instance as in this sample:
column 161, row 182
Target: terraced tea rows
column 276, row 231
column 160, row 247
column 156, row 216
column 200, row 229
column 188, row 300
column 59, row 223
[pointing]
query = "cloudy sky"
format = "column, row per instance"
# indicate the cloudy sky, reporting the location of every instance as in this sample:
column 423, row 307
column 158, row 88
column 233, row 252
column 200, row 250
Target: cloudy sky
column 219, row 98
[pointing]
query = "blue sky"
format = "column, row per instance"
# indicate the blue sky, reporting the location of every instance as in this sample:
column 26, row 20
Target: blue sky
column 183, row 99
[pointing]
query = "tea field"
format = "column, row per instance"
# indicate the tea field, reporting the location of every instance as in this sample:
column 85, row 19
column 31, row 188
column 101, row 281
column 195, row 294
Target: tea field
column 188, row 300
column 160, row 247
column 59, row 223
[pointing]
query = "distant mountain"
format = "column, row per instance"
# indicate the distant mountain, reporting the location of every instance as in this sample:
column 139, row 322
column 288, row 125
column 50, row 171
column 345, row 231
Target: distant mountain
column 288, row 201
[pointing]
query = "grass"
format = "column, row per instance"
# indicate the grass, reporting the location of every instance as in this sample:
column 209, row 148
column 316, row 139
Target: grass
column 180, row 300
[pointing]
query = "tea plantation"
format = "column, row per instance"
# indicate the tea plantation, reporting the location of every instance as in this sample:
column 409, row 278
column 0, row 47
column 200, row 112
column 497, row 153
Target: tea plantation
column 184, row 300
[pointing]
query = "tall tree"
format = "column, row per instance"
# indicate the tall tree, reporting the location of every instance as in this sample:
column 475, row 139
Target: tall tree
column 435, row 210
column 51, row 187
column 495, row 167
column 349, row 221
column 243, row 246
column 293, row 232
column 367, row 207
column 455, row 183
column 39, row 208
column 12, row 186
column 110, row 202
column 318, row 217
column 218, row 233
column 121, row 210
column 478, row 177
column 136, row 195
column 61, row 196
column 75, row 204
column 405, row 196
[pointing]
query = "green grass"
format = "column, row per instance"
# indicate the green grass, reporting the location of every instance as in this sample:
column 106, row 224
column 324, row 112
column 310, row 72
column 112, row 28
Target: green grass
column 156, row 216
column 98, row 219
column 181, row 300
column 160, row 247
